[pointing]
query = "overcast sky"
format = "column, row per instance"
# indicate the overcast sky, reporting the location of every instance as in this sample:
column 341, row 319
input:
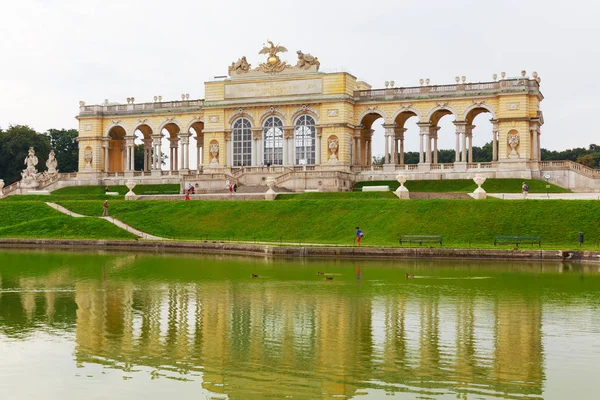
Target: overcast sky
column 57, row 52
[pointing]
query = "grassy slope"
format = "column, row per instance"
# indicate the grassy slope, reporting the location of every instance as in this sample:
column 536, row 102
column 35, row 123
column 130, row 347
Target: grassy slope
column 37, row 220
column 467, row 186
column 461, row 223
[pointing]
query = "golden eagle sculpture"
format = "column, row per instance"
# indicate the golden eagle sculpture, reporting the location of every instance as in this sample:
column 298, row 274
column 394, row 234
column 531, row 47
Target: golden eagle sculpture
column 272, row 50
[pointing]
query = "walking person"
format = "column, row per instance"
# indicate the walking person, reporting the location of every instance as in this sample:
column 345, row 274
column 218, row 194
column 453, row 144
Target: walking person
column 525, row 190
column 230, row 189
column 105, row 209
column 235, row 187
column 359, row 235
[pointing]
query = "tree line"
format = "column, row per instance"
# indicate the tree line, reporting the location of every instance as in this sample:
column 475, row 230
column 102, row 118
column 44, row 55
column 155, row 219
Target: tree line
column 589, row 157
column 16, row 140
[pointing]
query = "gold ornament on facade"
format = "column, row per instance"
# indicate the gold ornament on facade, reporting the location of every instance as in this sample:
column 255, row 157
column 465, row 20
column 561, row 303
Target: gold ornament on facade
column 305, row 61
column 241, row 66
column 273, row 64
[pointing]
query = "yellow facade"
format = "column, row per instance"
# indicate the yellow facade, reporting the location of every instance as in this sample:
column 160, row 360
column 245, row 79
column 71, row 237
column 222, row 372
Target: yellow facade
column 343, row 111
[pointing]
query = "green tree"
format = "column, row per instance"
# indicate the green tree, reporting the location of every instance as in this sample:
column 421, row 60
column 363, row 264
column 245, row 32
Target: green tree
column 587, row 160
column 14, row 145
column 66, row 148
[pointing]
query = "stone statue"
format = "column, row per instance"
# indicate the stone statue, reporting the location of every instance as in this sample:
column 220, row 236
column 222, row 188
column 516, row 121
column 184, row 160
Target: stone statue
column 29, row 176
column 88, row 157
column 51, row 164
column 333, row 147
column 402, row 191
column 214, row 151
column 513, row 142
column 241, row 66
column 305, row 61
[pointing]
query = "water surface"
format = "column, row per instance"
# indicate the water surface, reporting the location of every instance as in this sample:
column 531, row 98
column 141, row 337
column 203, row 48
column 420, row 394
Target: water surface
column 124, row 326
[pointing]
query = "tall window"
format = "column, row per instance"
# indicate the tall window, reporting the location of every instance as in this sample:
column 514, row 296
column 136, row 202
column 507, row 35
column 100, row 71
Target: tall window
column 273, row 140
column 242, row 143
column 304, row 137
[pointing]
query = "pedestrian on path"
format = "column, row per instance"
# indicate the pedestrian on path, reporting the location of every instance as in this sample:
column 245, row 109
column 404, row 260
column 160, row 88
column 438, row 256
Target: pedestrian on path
column 105, row 209
column 230, row 189
column 525, row 190
column 359, row 235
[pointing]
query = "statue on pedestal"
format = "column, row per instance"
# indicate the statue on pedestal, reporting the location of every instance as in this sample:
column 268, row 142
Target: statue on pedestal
column 29, row 176
column 51, row 164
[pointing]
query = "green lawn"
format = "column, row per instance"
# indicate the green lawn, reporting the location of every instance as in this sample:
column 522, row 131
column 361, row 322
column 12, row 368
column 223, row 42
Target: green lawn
column 461, row 223
column 37, row 220
column 99, row 190
column 468, row 186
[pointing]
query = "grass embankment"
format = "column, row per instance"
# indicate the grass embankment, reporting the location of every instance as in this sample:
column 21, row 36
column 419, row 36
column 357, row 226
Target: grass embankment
column 95, row 193
column 461, row 223
column 468, row 186
column 36, row 220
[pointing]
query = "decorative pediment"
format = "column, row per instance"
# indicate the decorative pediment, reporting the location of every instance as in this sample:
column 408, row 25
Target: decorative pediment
column 272, row 111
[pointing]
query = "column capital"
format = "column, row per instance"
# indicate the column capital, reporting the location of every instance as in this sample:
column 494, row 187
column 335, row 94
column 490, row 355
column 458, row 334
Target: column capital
column 157, row 137
column 424, row 124
column 389, row 126
column 319, row 130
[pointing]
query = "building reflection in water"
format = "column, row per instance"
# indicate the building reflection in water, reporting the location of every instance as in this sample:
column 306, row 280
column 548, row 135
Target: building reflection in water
column 247, row 339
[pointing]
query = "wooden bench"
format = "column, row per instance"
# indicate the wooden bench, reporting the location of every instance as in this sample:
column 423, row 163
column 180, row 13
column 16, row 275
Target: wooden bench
column 516, row 240
column 420, row 239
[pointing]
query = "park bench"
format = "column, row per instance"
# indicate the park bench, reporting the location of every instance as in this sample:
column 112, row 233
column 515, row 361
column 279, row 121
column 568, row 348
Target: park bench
column 420, row 239
column 111, row 193
column 376, row 188
column 516, row 240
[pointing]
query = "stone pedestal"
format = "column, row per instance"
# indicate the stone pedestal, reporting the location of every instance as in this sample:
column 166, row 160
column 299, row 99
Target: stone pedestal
column 460, row 166
column 479, row 193
column 1, row 188
column 270, row 194
column 130, row 195
column 389, row 167
column 402, row 191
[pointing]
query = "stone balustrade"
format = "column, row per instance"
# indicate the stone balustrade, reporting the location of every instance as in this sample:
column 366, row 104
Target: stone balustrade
column 467, row 89
column 141, row 108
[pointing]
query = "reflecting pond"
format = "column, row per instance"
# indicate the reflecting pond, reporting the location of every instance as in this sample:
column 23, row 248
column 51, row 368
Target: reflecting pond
column 128, row 325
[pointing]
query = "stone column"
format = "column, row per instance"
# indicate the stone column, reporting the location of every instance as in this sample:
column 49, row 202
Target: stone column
column 157, row 143
column 539, row 148
column 129, row 157
column 147, row 154
column 402, row 132
column 534, row 148
column 460, row 134
column 433, row 135
column 424, row 155
column 470, row 138
column 494, row 139
column 288, row 150
column 318, row 140
column 389, row 132
column 185, row 151
column 105, row 146
column 395, row 149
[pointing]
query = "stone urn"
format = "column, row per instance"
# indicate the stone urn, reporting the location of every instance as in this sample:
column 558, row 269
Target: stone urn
column 1, row 187
column 130, row 185
column 402, row 191
column 479, row 193
column 270, row 194
column 214, row 152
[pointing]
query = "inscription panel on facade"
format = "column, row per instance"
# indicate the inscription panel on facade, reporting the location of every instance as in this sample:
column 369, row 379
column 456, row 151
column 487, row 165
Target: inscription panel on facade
column 269, row 89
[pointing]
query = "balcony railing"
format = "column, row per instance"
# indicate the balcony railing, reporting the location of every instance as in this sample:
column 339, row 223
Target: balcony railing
column 573, row 166
column 119, row 109
column 507, row 85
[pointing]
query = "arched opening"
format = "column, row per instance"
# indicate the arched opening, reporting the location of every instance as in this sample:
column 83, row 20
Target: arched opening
column 405, row 126
column 481, row 135
column 273, row 141
column 368, row 148
column 142, row 155
column 441, row 138
column 305, row 135
column 170, row 139
column 197, row 143
column 116, row 149
column 241, row 136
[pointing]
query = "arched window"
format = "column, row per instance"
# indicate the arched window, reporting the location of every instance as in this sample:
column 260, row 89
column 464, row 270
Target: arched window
column 242, row 142
column 273, row 141
column 304, row 137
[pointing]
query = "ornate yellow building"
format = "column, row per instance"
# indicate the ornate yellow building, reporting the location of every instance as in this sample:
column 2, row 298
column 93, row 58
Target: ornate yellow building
column 313, row 128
